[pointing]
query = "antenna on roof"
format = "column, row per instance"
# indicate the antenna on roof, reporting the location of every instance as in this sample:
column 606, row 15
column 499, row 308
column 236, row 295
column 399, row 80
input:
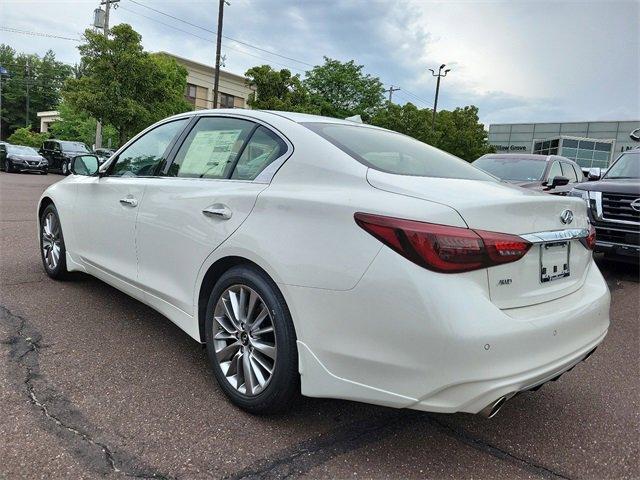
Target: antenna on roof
column 355, row 118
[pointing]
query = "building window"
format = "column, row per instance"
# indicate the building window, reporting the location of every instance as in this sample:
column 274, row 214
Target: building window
column 226, row 101
column 191, row 93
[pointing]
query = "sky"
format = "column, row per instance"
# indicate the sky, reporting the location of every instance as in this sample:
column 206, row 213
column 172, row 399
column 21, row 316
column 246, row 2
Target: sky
column 518, row 61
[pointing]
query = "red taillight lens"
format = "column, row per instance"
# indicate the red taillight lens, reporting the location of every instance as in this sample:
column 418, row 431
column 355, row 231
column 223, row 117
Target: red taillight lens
column 590, row 240
column 442, row 248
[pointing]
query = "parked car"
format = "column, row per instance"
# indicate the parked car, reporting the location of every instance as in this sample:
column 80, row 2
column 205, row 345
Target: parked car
column 341, row 259
column 613, row 204
column 103, row 154
column 544, row 173
column 17, row 158
column 60, row 152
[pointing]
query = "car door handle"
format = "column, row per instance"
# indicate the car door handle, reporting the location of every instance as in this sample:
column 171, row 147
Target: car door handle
column 218, row 211
column 130, row 201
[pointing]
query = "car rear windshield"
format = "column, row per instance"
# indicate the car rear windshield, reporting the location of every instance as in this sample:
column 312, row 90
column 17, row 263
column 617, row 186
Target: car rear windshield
column 73, row 147
column 515, row 169
column 20, row 150
column 395, row 153
column 627, row 166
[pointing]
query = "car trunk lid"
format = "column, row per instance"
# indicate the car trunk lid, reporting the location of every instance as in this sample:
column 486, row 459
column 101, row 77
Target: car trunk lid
column 554, row 266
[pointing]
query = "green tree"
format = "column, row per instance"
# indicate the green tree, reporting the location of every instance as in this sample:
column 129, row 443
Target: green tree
column 26, row 136
column 461, row 133
column 458, row 132
column 44, row 77
column 341, row 89
column 80, row 127
column 123, row 85
column 277, row 90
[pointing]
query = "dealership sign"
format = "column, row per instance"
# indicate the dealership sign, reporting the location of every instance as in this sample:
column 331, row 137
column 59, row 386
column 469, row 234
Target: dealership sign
column 512, row 148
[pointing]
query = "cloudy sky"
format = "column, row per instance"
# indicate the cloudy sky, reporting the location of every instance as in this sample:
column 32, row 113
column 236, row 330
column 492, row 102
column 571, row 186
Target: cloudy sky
column 518, row 61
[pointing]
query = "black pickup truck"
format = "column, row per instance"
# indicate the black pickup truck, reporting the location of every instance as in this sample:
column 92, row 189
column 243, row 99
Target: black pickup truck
column 614, row 206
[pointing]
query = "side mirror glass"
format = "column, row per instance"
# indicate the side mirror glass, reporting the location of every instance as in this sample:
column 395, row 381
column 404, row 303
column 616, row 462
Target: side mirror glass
column 559, row 181
column 595, row 173
column 85, row 165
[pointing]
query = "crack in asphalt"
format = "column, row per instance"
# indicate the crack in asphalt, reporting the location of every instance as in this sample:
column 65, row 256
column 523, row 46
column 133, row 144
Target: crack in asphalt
column 301, row 458
column 25, row 342
column 297, row 460
column 481, row 445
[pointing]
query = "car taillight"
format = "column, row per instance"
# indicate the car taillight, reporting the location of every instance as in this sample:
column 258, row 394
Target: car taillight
column 442, row 248
column 590, row 240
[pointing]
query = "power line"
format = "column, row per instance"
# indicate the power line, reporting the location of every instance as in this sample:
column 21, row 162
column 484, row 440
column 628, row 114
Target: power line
column 211, row 41
column 38, row 34
column 224, row 36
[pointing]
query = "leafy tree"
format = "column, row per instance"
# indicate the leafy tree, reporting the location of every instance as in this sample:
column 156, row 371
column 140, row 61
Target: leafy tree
column 26, row 136
column 123, row 85
column 278, row 90
column 458, row 132
column 44, row 76
column 341, row 89
column 461, row 133
column 80, row 127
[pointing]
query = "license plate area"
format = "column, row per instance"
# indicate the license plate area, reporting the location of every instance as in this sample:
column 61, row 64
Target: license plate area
column 554, row 261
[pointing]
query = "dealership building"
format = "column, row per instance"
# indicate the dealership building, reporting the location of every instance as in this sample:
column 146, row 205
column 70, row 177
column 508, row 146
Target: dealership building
column 590, row 144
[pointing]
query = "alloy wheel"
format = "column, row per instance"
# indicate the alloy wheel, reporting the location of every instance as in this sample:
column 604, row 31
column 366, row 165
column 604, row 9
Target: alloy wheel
column 244, row 339
column 51, row 244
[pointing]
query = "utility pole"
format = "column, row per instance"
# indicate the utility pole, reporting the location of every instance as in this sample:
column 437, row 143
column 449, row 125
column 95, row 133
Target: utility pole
column 216, row 80
column 27, row 82
column 435, row 102
column 391, row 90
column 104, row 24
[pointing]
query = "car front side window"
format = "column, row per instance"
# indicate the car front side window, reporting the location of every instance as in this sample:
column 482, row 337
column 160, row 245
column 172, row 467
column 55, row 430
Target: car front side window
column 554, row 171
column 211, row 148
column 143, row 157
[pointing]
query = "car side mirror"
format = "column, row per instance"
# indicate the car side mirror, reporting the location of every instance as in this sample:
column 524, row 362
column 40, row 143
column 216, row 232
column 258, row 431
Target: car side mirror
column 559, row 181
column 86, row 165
column 594, row 174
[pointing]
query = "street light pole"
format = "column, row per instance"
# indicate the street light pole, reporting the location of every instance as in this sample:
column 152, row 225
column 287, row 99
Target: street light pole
column 216, row 80
column 439, row 75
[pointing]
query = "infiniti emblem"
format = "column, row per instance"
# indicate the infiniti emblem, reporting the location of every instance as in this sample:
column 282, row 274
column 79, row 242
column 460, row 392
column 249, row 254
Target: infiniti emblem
column 566, row 216
column 636, row 204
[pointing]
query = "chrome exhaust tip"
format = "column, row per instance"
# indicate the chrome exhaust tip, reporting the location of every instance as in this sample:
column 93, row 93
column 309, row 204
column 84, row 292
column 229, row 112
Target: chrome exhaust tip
column 493, row 408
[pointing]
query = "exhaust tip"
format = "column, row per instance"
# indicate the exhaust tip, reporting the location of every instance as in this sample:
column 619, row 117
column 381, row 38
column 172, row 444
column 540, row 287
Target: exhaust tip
column 492, row 409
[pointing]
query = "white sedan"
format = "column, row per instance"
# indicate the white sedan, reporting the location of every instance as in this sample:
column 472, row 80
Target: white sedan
column 319, row 256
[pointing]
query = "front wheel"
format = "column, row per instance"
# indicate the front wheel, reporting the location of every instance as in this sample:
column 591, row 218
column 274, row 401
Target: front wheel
column 52, row 249
column 251, row 341
column 9, row 166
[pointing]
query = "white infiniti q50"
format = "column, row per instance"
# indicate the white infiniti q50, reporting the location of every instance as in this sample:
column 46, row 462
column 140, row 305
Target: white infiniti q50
column 335, row 259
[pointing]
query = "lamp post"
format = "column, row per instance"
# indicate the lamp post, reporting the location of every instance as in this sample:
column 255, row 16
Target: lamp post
column 439, row 75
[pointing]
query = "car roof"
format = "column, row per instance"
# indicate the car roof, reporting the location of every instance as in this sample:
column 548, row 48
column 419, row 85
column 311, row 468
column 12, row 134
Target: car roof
column 266, row 114
column 528, row 156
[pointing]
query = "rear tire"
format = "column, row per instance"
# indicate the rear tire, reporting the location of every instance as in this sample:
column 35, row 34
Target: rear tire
column 52, row 248
column 254, row 360
column 64, row 168
column 9, row 166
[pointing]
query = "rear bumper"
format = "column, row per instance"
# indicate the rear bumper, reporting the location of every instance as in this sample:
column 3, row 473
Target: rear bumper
column 408, row 338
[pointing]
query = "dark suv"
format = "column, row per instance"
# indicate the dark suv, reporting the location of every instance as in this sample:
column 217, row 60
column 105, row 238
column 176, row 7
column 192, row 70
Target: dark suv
column 614, row 205
column 59, row 154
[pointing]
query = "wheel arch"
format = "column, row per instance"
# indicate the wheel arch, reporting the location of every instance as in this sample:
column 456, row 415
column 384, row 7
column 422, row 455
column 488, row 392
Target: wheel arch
column 213, row 273
column 44, row 203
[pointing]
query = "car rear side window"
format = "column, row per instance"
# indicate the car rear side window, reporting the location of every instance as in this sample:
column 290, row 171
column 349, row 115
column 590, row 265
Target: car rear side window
column 143, row 157
column 211, row 148
column 569, row 172
column 396, row 153
column 262, row 149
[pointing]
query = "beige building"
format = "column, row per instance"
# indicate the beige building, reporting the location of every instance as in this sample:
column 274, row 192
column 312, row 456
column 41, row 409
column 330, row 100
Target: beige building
column 47, row 118
column 233, row 91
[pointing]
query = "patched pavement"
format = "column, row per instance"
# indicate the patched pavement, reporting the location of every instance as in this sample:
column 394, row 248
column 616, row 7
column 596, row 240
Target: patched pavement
column 93, row 384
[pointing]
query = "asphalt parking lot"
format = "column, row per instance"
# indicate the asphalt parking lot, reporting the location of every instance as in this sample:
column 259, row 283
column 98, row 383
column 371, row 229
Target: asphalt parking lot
column 93, row 383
